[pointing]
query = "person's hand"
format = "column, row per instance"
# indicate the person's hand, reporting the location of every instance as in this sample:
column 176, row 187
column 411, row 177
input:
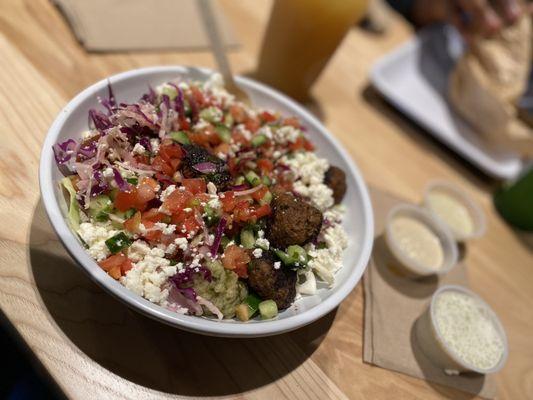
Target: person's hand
column 471, row 17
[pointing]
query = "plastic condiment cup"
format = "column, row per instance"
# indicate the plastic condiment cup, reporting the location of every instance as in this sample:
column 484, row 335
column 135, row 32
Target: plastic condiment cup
column 475, row 211
column 435, row 348
column 410, row 266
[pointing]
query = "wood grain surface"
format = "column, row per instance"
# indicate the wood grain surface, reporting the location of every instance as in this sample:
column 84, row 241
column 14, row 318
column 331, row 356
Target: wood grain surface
column 95, row 348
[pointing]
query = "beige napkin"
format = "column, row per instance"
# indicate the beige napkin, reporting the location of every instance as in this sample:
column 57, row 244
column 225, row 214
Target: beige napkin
column 114, row 25
column 392, row 305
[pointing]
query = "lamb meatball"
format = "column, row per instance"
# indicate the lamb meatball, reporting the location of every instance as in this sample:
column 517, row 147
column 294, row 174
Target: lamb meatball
column 335, row 179
column 293, row 221
column 270, row 283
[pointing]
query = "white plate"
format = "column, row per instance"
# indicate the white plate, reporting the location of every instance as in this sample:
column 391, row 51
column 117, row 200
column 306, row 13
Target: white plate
column 414, row 79
column 128, row 87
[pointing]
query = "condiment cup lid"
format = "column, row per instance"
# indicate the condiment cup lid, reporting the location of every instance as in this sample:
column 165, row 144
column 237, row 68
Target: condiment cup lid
column 492, row 315
column 475, row 211
column 449, row 245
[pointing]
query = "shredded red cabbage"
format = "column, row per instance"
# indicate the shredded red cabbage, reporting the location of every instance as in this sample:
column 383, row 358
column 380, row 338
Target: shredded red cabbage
column 218, row 236
column 150, row 97
column 64, row 151
column 184, row 279
column 100, row 186
column 179, row 105
column 88, row 150
column 189, row 293
column 145, row 142
column 100, row 121
column 123, row 186
column 205, row 167
column 238, row 188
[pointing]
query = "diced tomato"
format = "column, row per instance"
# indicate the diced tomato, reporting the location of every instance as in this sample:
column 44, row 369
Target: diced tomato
column 252, row 124
column 229, row 201
column 243, row 212
column 233, row 166
column 259, row 194
column 132, row 224
column 262, row 211
column 292, row 121
column 152, row 235
column 301, row 143
column 170, row 151
column 223, row 148
column 153, row 215
column 238, row 113
column 195, row 185
column 184, row 124
column 162, row 166
column 145, row 193
column 236, row 259
column 126, row 200
column 116, row 265
column 151, row 182
column 177, row 200
column 265, row 165
column 142, row 159
column 198, row 96
column 267, row 116
column 186, row 223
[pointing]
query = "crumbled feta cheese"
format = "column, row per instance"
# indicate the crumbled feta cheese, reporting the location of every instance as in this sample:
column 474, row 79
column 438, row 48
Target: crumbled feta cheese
column 108, row 172
column 182, row 243
column 214, row 203
column 276, row 154
column 154, row 143
column 306, row 283
column 257, row 253
column 222, row 156
column 277, row 265
column 286, row 134
column 335, row 213
column 166, row 229
column 138, row 149
column 215, row 85
column 211, row 188
column 165, row 193
column 241, row 128
column 95, row 235
column 138, row 250
column 309, row 170
column 325, row 262
column 262, row 243
column 267, row 131
column 149, row 277
column 200, row 125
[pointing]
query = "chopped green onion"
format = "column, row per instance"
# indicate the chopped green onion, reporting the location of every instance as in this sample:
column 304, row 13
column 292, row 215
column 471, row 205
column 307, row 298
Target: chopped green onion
column 118, row 242
column 74, row 207
column 252, row 178
column 133, row 181
column 268, row 309
column 180, row 137
column 247, row 239
column 258, row 140
column 223, row 133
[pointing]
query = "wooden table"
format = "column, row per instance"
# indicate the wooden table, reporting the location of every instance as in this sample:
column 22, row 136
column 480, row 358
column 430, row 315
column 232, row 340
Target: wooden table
column 94, row 347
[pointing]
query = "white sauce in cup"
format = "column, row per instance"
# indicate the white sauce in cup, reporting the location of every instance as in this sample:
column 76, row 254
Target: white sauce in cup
column 452, row 211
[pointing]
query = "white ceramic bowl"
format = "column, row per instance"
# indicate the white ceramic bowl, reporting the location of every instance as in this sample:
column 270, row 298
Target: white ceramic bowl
column 475, row 211
column 412, row 267
column 128, row 87
column 435, row 347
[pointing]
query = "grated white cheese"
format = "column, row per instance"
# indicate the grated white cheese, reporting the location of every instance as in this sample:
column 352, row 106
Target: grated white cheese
column 468, row 329
column 138, row 149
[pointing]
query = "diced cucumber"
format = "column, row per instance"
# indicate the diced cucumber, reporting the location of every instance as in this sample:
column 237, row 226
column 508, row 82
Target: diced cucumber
column 223, row 132
column 224, row 241
column 211, row 215
column 242, row 312
column 240, row 180
column 228, row 120
column 73, row 208
column 100, row 207
column 258, row 140
column 133, row 181
column 266, row 180
column 297, row 254
column 252, row 301
column 284, row 257
column 252, row 178
column 170, row 91
column 268, row 309
column 266, row 199
column 118, row 242
column 211, row 114
column 180, row 137
column 247, row 238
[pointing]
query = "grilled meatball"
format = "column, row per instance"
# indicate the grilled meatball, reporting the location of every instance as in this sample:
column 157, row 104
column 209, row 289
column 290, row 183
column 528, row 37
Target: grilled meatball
column 293, row 221
column 335, row 179
column 270, row 283
column 196, row 155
